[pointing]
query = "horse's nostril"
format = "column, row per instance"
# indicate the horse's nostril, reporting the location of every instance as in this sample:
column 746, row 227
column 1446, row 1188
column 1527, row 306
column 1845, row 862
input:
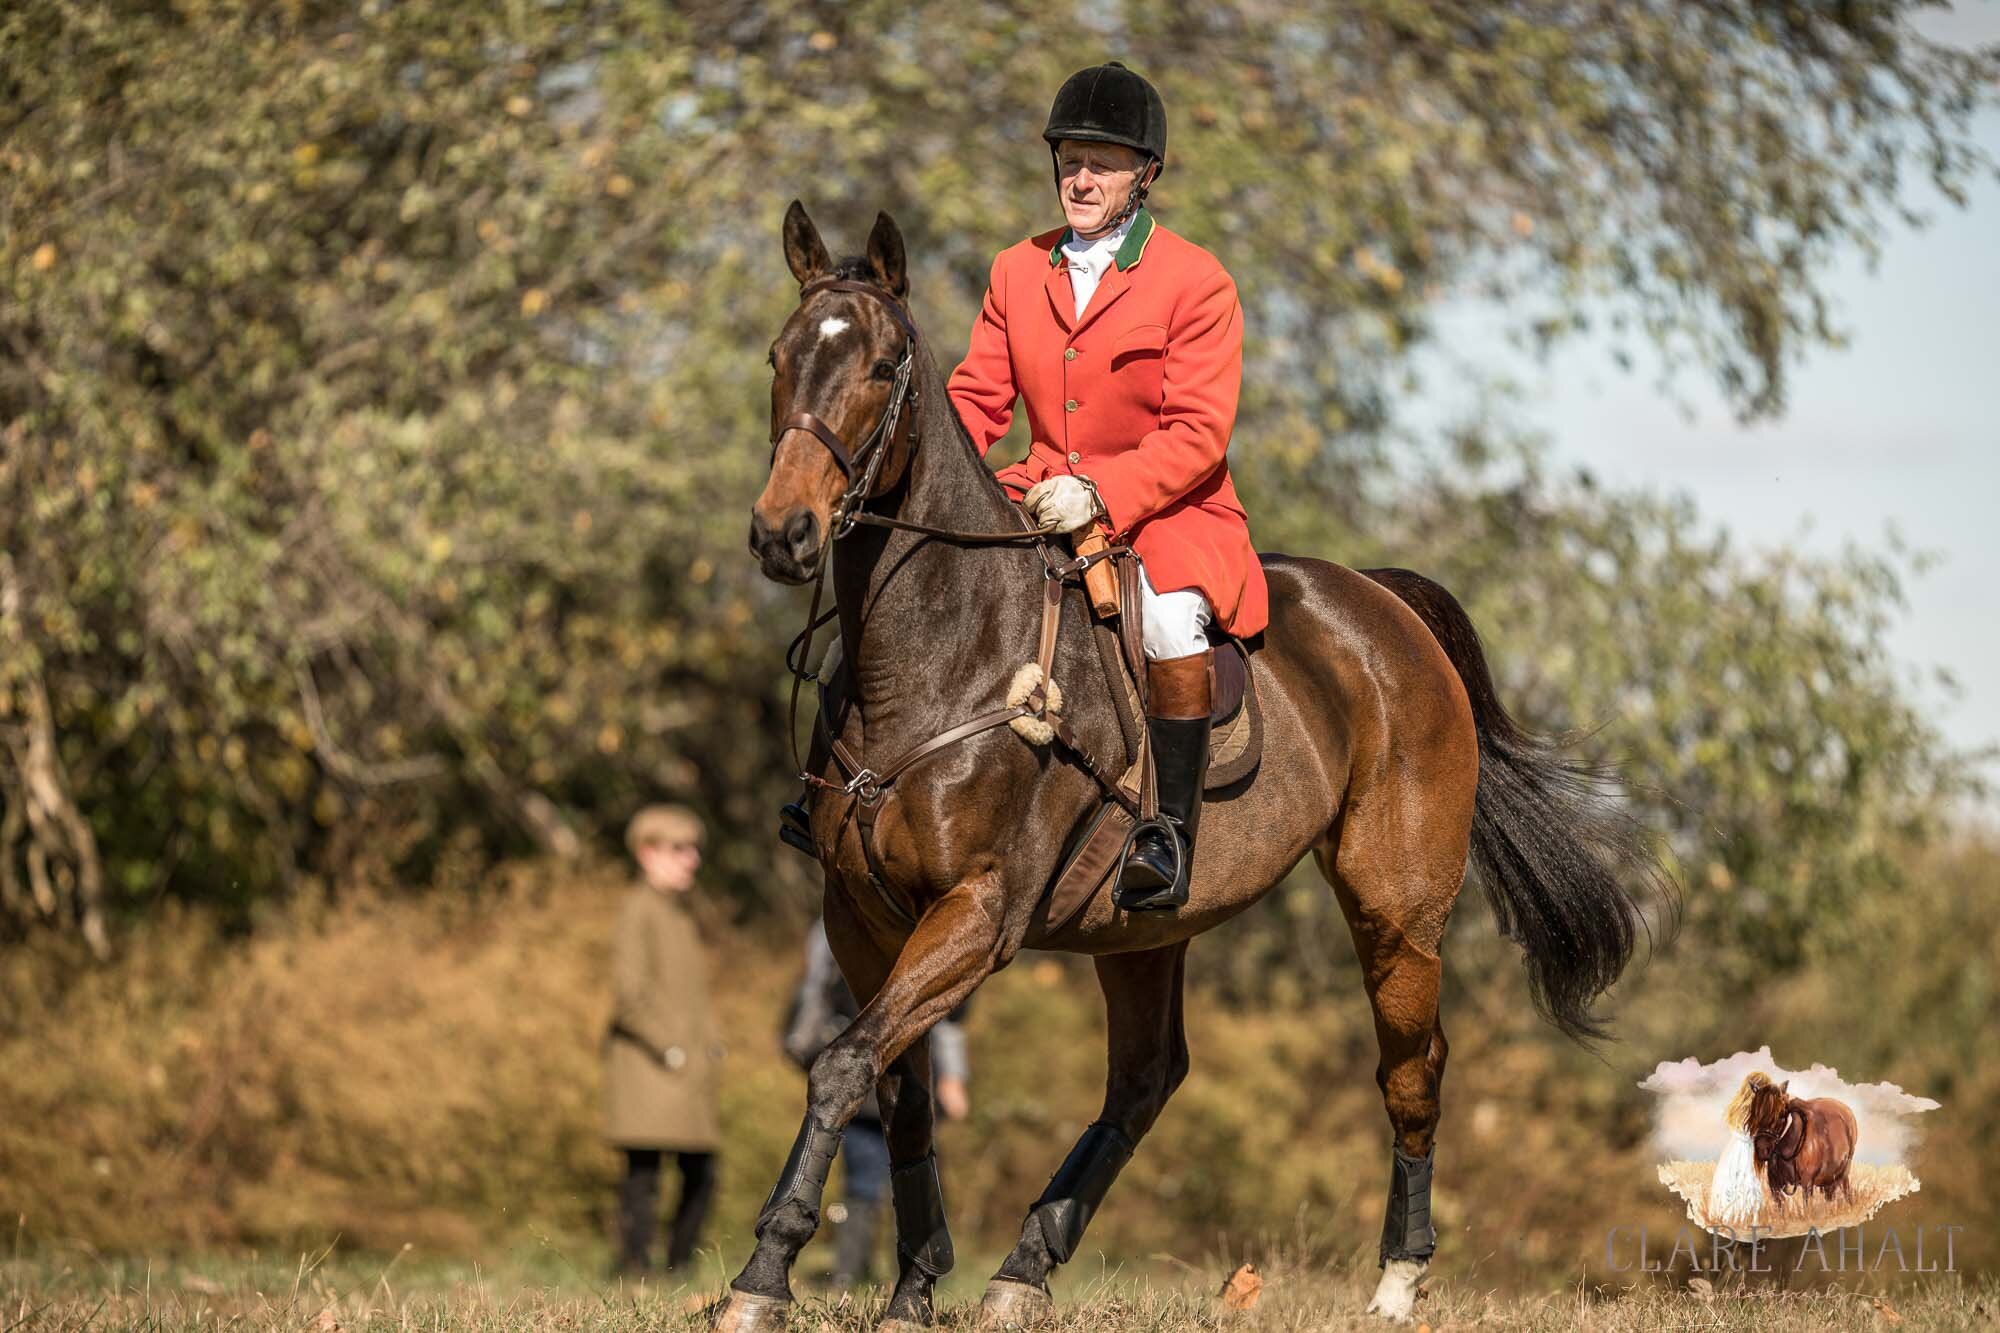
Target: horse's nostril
column 801, row 534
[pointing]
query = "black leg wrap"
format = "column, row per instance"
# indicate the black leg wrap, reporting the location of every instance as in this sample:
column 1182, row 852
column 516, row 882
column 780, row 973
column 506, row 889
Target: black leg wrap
column 1078, row 1186
column 1407, row 1232
column 803, row 1181
column 921, row 1236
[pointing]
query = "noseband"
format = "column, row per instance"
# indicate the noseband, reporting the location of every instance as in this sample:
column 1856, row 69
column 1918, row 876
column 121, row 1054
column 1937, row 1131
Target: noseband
column 902, row 397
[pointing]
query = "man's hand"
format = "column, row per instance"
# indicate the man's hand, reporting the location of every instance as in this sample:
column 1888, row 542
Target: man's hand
column 1061, row 504
column 953, row 1099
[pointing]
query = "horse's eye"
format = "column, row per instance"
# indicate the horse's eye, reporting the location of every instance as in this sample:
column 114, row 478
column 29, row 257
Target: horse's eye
column 885, row 370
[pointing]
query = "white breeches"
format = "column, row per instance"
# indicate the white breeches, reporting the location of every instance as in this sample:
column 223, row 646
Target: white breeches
column 1174, row 620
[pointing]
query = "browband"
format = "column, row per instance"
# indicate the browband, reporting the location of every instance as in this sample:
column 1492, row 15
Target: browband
column 895, row 307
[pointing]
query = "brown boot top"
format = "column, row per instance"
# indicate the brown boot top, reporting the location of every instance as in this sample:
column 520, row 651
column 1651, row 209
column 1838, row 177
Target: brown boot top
column 1181, row 687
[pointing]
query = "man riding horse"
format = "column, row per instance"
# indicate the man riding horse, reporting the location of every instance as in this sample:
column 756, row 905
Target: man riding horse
column 1387, row 756
column 1126, row 343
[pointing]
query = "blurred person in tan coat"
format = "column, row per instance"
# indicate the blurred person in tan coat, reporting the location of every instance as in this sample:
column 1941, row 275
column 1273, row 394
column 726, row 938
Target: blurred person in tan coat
column 664, row 1050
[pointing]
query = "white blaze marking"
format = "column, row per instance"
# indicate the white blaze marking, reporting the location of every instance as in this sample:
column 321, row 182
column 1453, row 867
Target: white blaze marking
column 832, row 327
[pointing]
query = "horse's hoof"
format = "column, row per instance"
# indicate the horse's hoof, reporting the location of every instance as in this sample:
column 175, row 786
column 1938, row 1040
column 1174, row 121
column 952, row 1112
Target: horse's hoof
column 1396, row 1294
column 1011, row 1304
column 740, row 1312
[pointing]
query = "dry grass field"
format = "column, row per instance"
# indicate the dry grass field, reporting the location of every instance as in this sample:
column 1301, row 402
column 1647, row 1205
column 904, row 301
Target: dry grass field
column 312, row 1296
column 1871, row 1187
column 382, row 1072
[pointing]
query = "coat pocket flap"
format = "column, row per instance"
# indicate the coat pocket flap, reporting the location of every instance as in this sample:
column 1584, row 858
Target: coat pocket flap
column 1144, row 339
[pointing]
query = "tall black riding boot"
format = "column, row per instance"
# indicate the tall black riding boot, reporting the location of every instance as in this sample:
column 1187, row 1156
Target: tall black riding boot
column 1180, row 692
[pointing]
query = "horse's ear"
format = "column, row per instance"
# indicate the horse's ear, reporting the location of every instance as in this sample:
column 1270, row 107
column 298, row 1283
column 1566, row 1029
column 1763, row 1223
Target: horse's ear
column 885, row 256
column 805, row 253
column 1785, row 1088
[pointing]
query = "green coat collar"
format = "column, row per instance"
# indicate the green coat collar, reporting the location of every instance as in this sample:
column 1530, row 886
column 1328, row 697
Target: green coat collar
column 1129, row 253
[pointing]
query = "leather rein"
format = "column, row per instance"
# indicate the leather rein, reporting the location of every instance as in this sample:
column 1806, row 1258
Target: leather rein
column 861, row 466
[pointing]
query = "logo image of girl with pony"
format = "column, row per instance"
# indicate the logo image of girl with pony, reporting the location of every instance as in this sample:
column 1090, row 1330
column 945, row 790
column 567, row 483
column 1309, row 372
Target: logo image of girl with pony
column 1799, row 1151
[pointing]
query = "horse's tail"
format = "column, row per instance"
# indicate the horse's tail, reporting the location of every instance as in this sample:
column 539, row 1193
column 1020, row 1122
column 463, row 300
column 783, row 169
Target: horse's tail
column 1549, row 839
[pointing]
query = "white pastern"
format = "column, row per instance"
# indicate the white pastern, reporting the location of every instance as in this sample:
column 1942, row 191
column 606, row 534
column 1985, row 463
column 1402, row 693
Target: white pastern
column 1396, row 1294
column 832, row 327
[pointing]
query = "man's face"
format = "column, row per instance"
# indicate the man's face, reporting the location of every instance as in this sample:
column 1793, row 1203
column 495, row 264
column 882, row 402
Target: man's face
column 670, row 866
column 1094, row 180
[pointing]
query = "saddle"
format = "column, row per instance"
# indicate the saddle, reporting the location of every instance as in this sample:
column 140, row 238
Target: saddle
column 1236, row 745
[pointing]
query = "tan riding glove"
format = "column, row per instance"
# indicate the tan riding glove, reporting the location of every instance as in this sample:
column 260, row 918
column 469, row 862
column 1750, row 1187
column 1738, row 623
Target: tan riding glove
column 1062, row 504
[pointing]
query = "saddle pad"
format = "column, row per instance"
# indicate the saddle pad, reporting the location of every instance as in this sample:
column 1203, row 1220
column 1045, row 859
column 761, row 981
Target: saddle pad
column 1235, row 745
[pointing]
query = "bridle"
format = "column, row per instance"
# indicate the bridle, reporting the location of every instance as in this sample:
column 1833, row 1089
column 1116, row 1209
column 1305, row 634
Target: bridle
column 861, row 466
column 902, row 397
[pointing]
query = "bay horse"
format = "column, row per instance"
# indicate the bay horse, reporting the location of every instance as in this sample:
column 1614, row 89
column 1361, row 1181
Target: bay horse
column 1387, row 755
column 1805, row 1145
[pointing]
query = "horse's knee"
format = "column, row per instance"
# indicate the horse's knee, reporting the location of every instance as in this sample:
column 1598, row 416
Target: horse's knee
column 839, row 1082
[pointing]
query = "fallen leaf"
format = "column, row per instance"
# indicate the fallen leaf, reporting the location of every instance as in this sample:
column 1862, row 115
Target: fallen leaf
column 326, row 1322
column 1242, row 1289
column 1702, row 1287
column 45, row 257
column 1888, row 1311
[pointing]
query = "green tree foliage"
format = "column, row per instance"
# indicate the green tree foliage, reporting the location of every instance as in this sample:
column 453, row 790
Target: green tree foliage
column 381, row 388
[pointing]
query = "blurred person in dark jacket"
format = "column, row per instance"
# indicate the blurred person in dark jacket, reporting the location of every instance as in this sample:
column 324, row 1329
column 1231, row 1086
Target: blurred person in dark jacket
column 664, row 1050
column 821, row 1011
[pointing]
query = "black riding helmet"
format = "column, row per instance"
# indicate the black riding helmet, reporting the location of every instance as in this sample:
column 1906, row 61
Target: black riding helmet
column 1109, row 103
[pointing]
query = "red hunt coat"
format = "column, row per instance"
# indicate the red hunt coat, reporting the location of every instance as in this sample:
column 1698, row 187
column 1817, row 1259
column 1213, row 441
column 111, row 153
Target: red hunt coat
column 1139, row 395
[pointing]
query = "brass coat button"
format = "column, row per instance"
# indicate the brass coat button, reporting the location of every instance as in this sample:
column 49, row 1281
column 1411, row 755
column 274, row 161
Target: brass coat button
column 1069, row 354
column 1075, row 457
column 1070, row 406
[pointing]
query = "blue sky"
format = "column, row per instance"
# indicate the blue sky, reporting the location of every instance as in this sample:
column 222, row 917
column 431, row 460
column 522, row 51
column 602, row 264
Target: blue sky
column 1897, row 431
